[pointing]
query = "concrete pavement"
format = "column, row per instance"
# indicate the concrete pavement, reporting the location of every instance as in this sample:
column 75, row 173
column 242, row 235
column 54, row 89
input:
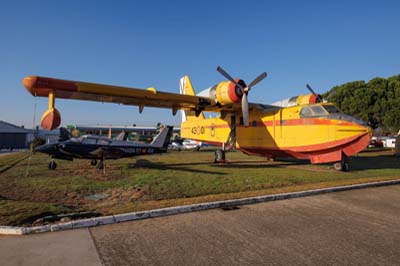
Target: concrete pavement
column 358, row 227
column 64, row 248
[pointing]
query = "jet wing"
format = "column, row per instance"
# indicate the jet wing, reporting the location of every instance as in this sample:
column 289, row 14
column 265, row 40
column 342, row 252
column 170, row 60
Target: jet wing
column 77, row 90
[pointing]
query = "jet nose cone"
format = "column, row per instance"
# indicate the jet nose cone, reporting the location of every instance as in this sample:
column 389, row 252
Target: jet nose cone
column 40, row 148
column 46, row 148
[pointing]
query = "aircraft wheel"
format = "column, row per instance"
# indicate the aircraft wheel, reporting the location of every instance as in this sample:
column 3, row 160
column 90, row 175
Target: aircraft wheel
column 338, row 166
column 93, row 162
column 52, row 165
column 342, row 166
column 219, row 156
column 100, row 165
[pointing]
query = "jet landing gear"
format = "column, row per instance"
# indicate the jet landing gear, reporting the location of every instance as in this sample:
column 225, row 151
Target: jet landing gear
column 343, row 165
column 52, row 165
column 100, row 165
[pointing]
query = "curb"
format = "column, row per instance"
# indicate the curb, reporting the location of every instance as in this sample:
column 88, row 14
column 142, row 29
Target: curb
column 84, row 223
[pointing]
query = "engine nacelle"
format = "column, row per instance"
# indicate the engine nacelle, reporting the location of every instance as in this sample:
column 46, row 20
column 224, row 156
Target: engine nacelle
column 225, row 92
column 299, row 100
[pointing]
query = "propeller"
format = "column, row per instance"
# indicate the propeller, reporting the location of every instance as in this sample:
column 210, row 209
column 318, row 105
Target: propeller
column 245, row 91
column 313, row 92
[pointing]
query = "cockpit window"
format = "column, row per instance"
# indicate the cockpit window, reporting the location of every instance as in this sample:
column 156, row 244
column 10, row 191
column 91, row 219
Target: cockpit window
column 318, row 110
column 78, row 140
column 328, row 112
column 313, row 111
column 305, row 111
column 89, row 141
column 332, row 109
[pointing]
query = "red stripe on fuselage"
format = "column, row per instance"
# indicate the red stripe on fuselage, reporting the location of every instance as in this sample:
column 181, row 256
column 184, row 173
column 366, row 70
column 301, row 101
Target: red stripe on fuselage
column 288, row 122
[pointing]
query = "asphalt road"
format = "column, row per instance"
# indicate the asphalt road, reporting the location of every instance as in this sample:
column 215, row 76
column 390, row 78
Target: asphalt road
column 359, row 227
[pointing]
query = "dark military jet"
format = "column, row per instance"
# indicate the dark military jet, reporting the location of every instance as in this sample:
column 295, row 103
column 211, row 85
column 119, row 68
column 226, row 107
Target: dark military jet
column 101, row 148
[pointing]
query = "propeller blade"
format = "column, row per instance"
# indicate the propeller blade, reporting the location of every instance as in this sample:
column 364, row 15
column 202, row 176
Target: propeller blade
column 227, row 76
column 313, row 92
column 310, row 89
column 245, row 110
column 256, row 80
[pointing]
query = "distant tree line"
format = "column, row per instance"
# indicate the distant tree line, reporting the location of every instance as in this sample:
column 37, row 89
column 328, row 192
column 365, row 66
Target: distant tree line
column 376, row 102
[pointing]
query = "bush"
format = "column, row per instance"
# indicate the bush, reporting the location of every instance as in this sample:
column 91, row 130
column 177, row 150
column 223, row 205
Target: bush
column 36, row 142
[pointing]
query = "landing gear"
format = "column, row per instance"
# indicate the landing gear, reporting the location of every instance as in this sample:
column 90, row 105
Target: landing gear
column 219, row 156
column 343, row 165
column 228, row 144
column 100, row 165
column 93, row 162
column 52, row 165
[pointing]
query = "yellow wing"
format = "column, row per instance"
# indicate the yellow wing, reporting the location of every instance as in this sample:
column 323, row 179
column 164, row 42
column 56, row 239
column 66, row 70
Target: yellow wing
column 42, row 87
column 66, row 89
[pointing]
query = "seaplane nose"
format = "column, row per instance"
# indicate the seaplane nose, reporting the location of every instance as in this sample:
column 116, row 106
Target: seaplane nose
column 370, row 131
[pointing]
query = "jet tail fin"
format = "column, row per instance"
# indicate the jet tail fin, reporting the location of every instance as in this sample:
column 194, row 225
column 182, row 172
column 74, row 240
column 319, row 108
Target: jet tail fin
column 122, row 136
column 162, row 139
column 64, row 134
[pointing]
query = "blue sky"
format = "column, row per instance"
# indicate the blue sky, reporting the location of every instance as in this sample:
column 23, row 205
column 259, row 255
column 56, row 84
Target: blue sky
column 154, row 43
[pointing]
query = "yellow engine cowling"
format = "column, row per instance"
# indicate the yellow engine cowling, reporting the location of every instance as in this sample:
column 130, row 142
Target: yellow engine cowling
column 226, row 92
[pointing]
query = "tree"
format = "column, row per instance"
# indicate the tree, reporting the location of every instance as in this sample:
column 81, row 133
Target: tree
column 377, row 101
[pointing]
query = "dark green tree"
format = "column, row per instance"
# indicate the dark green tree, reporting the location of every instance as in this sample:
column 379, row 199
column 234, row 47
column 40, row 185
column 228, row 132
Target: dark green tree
column 377, row 101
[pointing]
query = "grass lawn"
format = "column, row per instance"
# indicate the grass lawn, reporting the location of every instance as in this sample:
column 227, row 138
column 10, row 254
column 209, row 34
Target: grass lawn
column 10, row 158
column 175, row 178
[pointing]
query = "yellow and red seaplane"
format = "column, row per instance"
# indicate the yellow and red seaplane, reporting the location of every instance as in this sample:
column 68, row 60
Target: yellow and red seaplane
column 303, row 127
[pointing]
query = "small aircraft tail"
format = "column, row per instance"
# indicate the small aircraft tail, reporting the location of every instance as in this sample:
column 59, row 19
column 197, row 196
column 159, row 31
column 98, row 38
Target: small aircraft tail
column 185, row 87
column 162, row 139
column 64, row 134
column 122, row 136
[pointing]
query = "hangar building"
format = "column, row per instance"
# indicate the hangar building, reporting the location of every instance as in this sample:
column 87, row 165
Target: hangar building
column 14, row 137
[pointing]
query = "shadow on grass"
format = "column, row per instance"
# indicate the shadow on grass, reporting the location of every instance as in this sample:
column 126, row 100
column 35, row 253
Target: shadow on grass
column 255, row 164
column 143, row 163
column 375, row 162
column 368, row 162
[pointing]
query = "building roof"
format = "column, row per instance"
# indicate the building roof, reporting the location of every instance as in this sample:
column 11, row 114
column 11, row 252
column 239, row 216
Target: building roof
column 105, row 128
column 6, row 127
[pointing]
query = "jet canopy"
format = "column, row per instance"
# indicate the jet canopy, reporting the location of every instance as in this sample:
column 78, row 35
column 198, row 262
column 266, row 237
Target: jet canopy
column 87, row 139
